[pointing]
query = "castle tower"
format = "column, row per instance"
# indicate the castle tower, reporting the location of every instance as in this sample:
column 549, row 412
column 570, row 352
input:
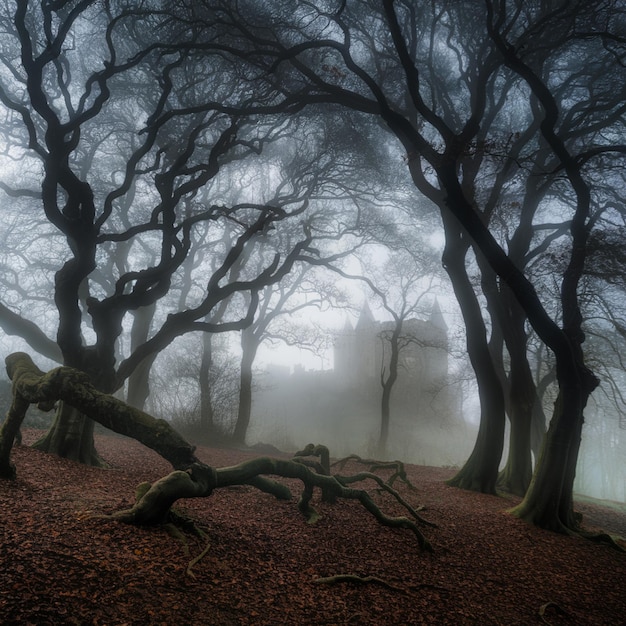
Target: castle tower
column 366, row 319
column 436, row 317
column 365, row 337
column 343, row 351
column 438, row 338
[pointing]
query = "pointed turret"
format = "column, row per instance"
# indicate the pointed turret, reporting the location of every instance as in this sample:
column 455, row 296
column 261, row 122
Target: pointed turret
column 366, row 319
column 436, row 317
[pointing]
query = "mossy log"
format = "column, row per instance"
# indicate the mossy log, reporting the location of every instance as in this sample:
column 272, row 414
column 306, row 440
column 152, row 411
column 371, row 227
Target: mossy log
column 320, row 451
column 201, row 480
column 191, row 478
column 32, row 386
column 321, row 467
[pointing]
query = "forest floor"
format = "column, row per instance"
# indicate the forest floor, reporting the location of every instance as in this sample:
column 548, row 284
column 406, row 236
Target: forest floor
column 59, row 564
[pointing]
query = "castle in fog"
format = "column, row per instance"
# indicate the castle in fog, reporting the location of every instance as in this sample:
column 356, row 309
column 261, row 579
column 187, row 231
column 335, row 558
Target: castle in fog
column 333, row 406
column 361, row 354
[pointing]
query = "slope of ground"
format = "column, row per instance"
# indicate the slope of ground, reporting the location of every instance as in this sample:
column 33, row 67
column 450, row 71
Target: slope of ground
column 61, row 565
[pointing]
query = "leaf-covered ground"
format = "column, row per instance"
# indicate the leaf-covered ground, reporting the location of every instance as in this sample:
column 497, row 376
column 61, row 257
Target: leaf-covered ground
column 61, row 565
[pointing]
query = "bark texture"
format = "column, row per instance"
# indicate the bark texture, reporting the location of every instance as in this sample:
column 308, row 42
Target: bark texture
column 32, row 386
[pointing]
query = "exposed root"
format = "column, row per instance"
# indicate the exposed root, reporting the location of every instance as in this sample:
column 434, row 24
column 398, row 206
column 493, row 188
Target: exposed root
column 288, row 469
column 196, row 560
column 374, row 466
column 177, row 525
column 320, row 451
column 571, row 529
column 321, row 467
column 353, row 578
column 544, row 607
column 201, row 480
column 176, row 533
column 615, row 542
column 346, row 480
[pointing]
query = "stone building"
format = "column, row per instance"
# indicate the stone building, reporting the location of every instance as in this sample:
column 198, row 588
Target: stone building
column 362, row 352
column 342, row 406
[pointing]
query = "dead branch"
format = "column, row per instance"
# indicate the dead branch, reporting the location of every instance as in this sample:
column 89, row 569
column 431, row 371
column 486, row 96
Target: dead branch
column 353, row 578
column 374, row 465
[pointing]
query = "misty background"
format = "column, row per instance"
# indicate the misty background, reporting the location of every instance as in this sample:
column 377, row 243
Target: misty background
column 245, row 268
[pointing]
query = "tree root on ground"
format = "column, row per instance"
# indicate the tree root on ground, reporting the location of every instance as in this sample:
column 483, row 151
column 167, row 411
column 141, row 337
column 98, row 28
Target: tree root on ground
column 173, row 529
column 176, row 525
column 353, row 578
column 384, row 486
column 374, row 465
column 196, row 560
column 544, row 607
column 200, row 480
column 319, row 450
column 613, row 541
column 321, row 467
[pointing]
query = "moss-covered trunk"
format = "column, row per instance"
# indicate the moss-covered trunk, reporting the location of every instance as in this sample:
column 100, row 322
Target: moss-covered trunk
column 548, row 502
column 74, row 389
column 71, row 437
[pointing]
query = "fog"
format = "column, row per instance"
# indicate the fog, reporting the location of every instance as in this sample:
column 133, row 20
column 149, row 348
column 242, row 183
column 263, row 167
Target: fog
column 300, row 397
column 181, row 195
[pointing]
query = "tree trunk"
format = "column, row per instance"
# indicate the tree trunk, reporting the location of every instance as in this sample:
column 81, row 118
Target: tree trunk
column 249, row 345
column 387, row 384
column 385, row 418
column 538, row 427
column 139, row 380
column 71, row 437
column 139, row 383
column 548, row 502
column 480, row 472
column 71, row 434
column 516, row 475
column 206, row 404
